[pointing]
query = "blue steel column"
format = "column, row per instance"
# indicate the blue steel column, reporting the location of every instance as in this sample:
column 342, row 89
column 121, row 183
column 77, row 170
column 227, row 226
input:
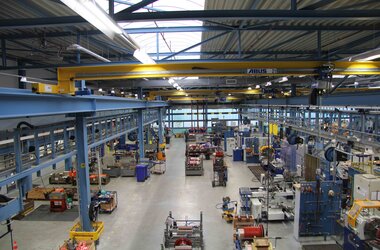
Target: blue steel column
column 52, row 147
column 140, row 126
column 240, row 122
column 24, row 184
column 160, row 131
column 37, row 151
column 68, row 161
column 83, row 179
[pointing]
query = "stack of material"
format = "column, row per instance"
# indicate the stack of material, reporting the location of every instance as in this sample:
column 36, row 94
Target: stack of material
column 241, row 221
column 78, row 245
column 194, row 166
column 108, row 201
column 39, row 193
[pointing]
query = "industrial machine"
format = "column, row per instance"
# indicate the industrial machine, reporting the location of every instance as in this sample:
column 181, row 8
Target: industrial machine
column 274, row 201
column 229, row 209
column 193, row 166
column 220, row 171
column 362, row 230
column 366, row 187
column 317, row 207
column 183, row 234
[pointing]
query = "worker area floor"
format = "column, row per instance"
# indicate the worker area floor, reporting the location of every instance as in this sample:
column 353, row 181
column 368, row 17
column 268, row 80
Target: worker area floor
column 42, row 213
column 139, row 220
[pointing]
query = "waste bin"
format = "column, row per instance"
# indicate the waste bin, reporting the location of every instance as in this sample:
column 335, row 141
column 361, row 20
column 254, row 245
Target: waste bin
column 238, row 154
column 141, row 172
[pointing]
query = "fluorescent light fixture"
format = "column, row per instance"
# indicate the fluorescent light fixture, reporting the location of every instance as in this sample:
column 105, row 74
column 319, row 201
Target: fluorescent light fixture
column 366, row 56
column 301, row 76
column 143, row 57
column 89, row 10
column 268, row 84
column 374, row 87
column 171, row 81
column 257, row 86
column 87, row 51
column 337, row 76
column 100, row 90
column 146, row 79
column 370, row 58
column 284, row 79
column 175, row 85
column 249, row 88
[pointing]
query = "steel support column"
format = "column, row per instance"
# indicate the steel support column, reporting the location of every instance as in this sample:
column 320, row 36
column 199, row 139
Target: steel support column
column 160, row 130
column 140, row 126
column 37, row 151
column 111, row 8
column 66, row 138
column 24, row 184
column 319, row 43
column 52, row 147
column 83, row 179
column 339, row 123
column 240, row 116
column 158, row 46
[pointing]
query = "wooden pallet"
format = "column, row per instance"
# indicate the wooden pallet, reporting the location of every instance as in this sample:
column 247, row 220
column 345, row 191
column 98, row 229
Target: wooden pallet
column 39, row 193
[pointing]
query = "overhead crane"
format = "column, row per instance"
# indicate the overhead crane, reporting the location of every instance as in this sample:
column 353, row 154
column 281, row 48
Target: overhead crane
column 113, row 71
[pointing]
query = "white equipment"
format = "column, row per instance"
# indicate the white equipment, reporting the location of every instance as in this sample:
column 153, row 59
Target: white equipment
column 367, row 187
column 231, row 145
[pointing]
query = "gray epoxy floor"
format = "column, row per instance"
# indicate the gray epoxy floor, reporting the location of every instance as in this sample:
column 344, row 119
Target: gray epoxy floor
column 138, row 222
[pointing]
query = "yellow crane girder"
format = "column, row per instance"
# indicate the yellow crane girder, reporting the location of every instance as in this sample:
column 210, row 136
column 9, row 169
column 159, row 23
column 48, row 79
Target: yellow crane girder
column 110, row 71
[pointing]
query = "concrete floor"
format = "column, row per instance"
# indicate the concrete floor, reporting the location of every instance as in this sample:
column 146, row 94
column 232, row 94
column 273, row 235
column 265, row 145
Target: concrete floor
column 138, row 222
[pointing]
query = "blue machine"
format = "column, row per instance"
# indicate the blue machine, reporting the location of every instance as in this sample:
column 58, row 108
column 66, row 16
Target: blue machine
column 319, row 207
column 352, row 241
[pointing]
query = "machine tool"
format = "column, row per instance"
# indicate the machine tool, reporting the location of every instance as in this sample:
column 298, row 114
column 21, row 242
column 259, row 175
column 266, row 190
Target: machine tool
column 273, row 201
column 183, row 234
column 317, row 207
column 362, row 230
column 229, row 209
